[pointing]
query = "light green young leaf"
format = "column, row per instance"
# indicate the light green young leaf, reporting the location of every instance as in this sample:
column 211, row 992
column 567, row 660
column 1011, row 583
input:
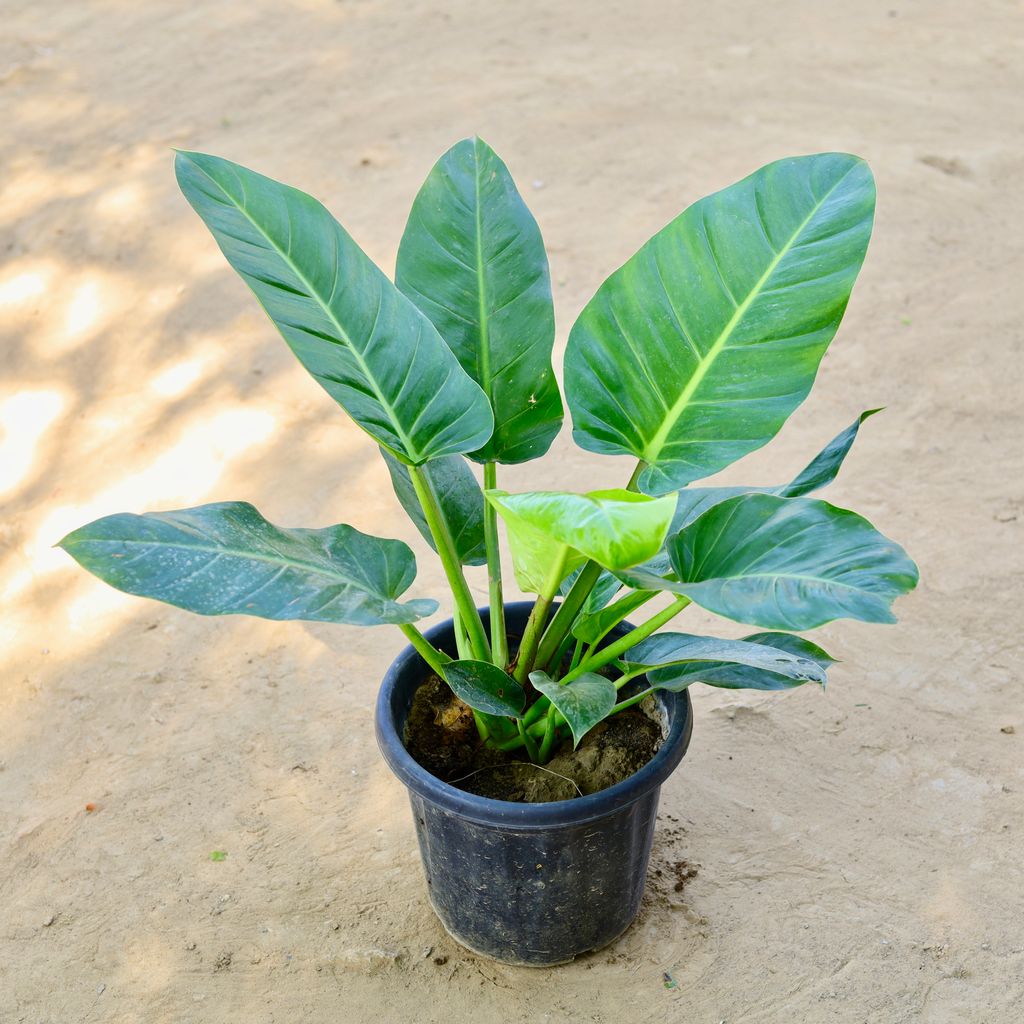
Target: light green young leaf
column 697, row 350
column 226, row 559
column 677, row 659
column 788, row 563
column 584, row 702
column 539, row 561
column 486, row 688
column 615, row 528
column 364, row 342
column 473, row 261
column 458, row 494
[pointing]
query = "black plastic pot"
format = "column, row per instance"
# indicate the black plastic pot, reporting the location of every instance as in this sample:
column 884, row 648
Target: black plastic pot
column 529, row 884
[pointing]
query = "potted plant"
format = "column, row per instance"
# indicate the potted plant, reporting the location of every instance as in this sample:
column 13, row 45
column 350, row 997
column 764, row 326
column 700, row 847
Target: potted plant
column 688, row 357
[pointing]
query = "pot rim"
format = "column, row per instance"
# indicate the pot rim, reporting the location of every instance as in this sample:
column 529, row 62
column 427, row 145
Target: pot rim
column 507, row 813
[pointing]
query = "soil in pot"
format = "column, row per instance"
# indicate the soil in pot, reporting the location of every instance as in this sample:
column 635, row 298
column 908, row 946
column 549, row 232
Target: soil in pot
column 441, row 735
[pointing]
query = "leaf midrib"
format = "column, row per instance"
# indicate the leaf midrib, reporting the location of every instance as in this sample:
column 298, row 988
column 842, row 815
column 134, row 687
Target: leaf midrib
column 411, row 449
column 821, row 580
column 657, row 442
column 243, row 554
column 481, row 287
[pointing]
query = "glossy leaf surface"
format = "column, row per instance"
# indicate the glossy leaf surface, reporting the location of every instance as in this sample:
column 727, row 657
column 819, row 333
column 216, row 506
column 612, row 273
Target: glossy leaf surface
column 472, row 259
column 824, row 467
column 365, row 343
column 696, row 351
column 459, row 496
column 226, row 559
column 735, row 676
column 695, row 501
column 672, row 657
column 486, row 688
column 615, row 528
column 788, row 563
column 539, row 560
column 583, row 702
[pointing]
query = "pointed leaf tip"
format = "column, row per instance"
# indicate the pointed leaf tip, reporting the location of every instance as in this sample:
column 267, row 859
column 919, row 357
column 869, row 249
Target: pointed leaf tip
column 583, row 702
column 485, row 687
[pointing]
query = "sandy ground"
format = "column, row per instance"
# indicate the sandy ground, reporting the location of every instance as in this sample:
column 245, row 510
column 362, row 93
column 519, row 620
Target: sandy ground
column 858, row 853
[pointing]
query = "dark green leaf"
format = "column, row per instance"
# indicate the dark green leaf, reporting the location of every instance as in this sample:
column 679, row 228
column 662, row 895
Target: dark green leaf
column 485, row 687
column 695, row 501
column 226, row 559
column 678, row 659
column 823, row 468
column 697, row 350
column 743, row 677
column 788, row 563
column 458, row 494
column 583, row 702
column 368, row 346
column 473, row 261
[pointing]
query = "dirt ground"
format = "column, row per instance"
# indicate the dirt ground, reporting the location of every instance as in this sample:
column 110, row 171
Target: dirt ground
column 857, row 854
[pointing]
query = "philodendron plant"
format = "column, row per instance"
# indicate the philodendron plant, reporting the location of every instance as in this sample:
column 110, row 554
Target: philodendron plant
column 689, row 356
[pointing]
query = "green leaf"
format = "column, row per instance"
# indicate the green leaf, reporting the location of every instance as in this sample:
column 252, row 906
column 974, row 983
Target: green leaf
column 485, row 687
column 733, row 676
column 226, row 559
column 824, row 467
column 695, row 501
column 615, row 528
column 606, row 587
column 366, row 344
column 540, row 562
column 583, row 702
column 592, row 627
column 458, row 494
column 697, row 350
column 473, row 261
column 674, row 660
column 788, row 563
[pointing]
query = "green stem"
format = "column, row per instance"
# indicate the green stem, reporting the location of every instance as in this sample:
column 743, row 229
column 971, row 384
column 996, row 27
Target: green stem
column 631, row 639
column 449, row 560
column 531, row 637
column 640, row 467
column 562, row 622
column 462, row 644
column 576, row 655
column 536, row 711
column 629, row 676
column 529, row 743
column 427, row 651
column 549, row 736
column 499, row 638
column 560, row 625
column 527, row 656
column 632, row 700
column 535, row 732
